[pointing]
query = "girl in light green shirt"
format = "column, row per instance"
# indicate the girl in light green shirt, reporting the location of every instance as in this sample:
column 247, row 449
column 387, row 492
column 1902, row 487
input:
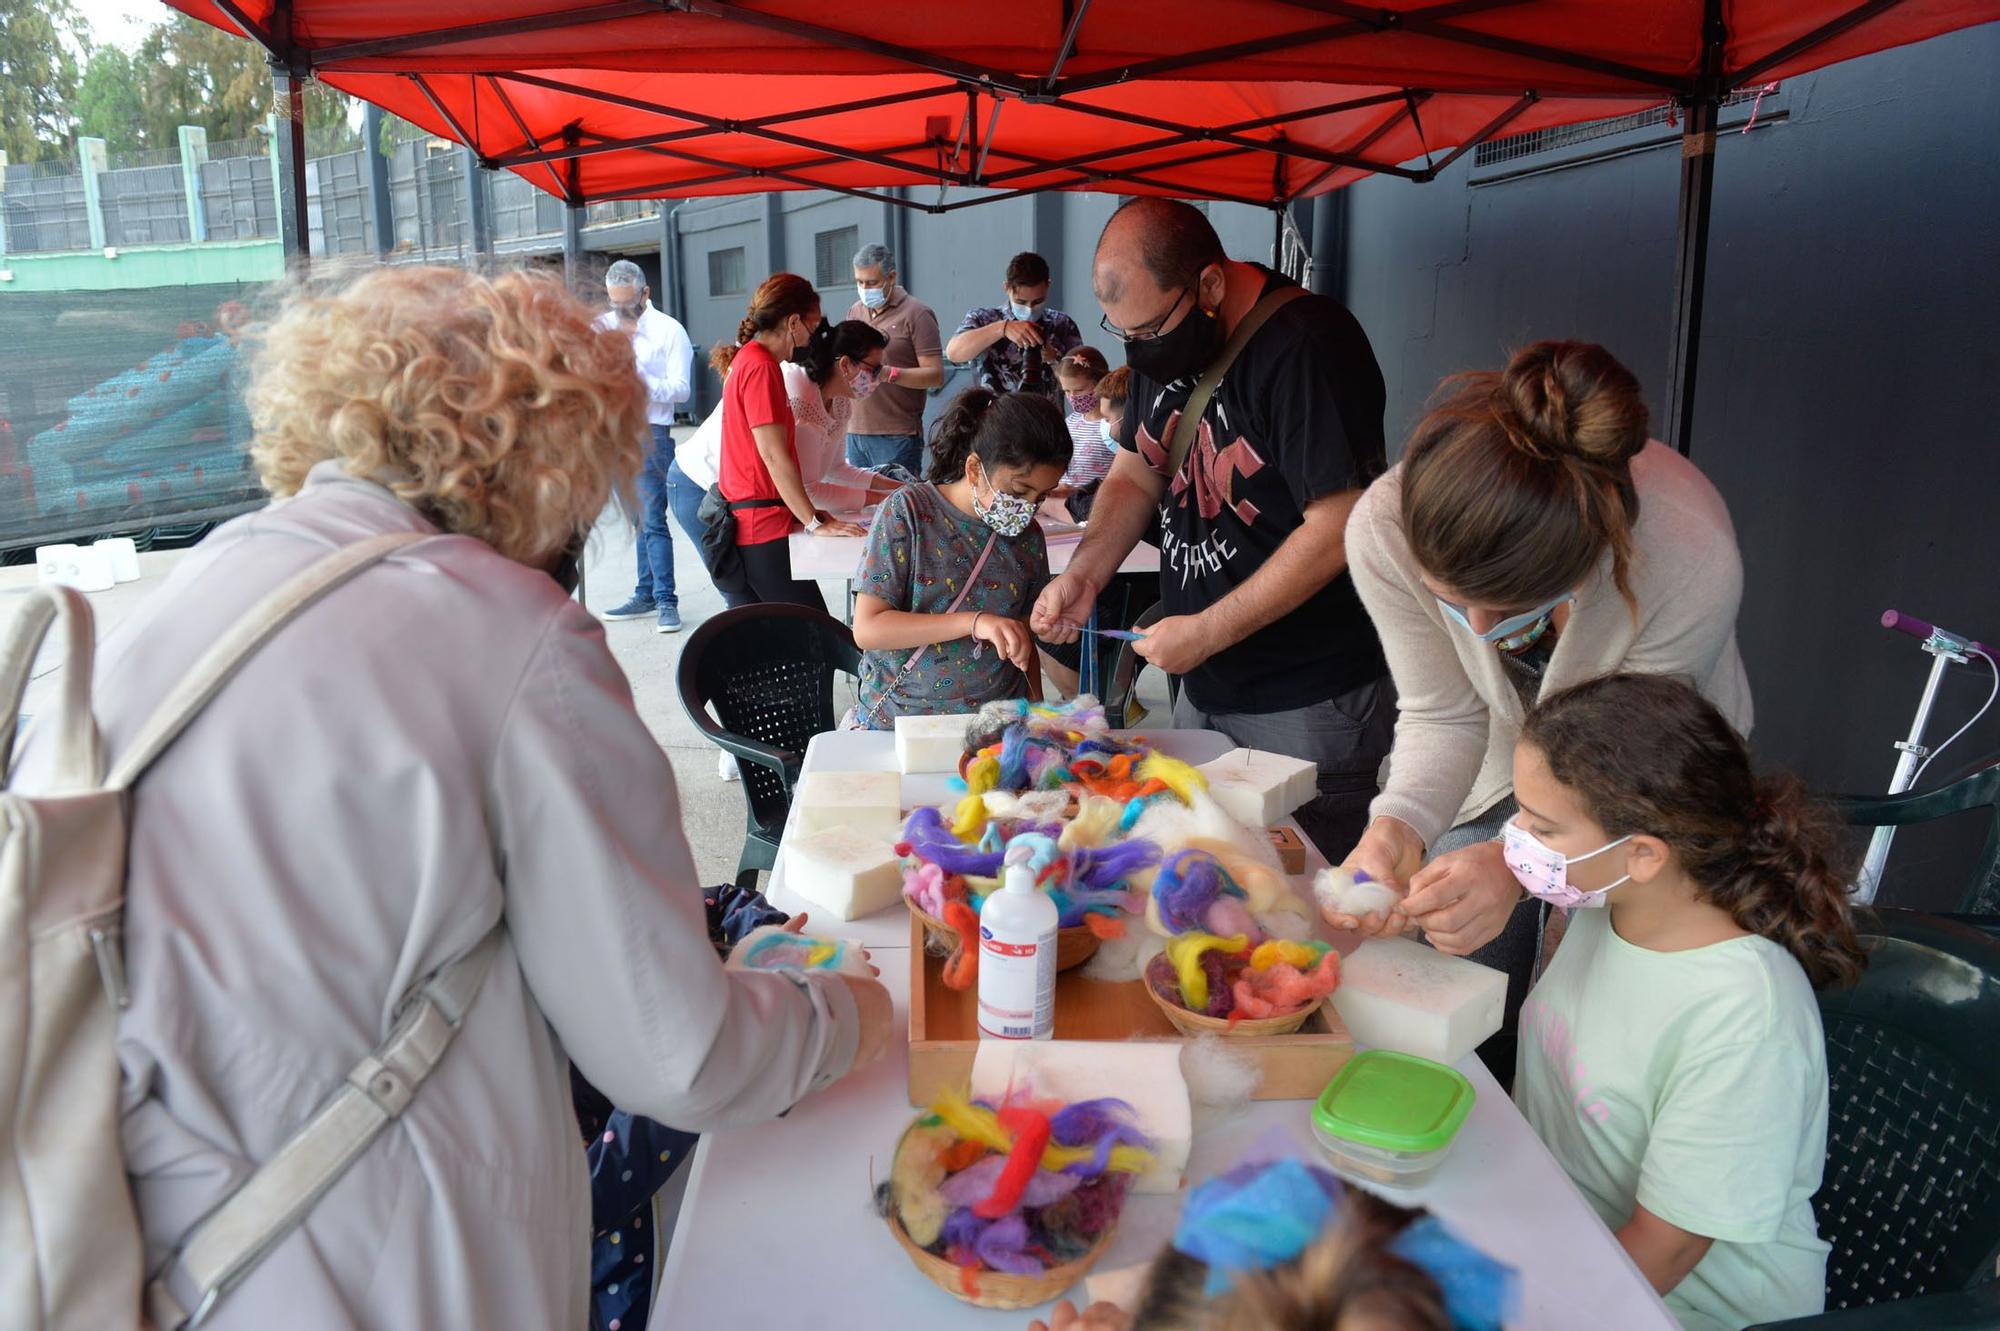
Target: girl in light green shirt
column 1671, row 1057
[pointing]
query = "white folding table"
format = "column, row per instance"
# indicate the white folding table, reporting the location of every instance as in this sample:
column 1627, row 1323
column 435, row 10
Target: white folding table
column 777, row 1226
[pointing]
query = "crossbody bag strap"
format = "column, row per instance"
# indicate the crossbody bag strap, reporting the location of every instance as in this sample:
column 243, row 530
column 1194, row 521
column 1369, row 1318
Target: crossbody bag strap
column 226, row 1245
column 1186, row 428
column 978, row 567
column 219, row 664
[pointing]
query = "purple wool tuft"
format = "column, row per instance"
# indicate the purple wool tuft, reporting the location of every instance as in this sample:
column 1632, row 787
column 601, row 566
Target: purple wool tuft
column 1104, row 867
column 1188, row 883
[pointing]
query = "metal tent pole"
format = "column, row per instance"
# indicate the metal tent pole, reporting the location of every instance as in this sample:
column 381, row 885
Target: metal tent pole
column 294, row 221
column 1691, row 236
column 380, row 204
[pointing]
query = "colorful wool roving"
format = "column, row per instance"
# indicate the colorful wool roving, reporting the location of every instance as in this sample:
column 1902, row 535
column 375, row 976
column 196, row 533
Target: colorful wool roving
column 1019, row 1187
column 1052, row 780
column 1234, row 979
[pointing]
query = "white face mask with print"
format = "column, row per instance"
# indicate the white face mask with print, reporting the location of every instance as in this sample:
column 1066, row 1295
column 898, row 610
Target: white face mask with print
column 1544, row 870
column 1008, row 515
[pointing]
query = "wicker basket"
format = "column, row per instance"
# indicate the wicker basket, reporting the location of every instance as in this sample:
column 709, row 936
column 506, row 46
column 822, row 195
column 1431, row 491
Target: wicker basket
column 998, row 1289
column 1200, row 1023
column 1074, row 945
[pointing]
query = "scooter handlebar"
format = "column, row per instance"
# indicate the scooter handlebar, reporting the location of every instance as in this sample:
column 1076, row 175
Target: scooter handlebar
column 1920, row 628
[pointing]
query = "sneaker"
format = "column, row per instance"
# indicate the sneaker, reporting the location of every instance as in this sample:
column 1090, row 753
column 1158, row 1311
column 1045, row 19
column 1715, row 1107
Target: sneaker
column 726, row 767
column 636, row 608
column 670, row 620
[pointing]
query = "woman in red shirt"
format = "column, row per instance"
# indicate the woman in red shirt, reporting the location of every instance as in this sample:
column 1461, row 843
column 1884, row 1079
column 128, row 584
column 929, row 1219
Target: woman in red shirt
column 758, row 460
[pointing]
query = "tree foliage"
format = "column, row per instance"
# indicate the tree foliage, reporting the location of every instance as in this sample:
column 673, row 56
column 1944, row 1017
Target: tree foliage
column 38, row 77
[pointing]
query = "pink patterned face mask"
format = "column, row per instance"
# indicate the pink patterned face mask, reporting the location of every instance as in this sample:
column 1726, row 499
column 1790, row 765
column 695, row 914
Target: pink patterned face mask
column 1544, row 871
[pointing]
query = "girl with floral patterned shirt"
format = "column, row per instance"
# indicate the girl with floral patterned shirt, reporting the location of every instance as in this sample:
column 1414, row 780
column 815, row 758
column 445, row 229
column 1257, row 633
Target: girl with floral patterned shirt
column 953, row 565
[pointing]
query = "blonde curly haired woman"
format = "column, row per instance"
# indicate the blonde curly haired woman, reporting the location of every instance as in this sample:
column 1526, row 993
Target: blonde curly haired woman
column 441, row 744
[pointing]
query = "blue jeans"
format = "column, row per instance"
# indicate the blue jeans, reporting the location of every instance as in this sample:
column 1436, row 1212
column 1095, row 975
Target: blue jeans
column 874, row 450
column 684, row 502
column 656, row 539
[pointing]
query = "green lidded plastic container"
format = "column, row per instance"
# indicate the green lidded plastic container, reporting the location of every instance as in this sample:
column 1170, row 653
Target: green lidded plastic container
column 1391, row 1118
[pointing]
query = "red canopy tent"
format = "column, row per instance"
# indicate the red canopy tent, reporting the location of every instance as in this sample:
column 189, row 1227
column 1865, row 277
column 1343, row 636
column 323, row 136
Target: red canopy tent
column 1253, row 101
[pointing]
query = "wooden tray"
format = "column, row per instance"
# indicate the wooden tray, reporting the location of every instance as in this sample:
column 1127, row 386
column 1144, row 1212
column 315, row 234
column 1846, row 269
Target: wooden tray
column 944, row 1030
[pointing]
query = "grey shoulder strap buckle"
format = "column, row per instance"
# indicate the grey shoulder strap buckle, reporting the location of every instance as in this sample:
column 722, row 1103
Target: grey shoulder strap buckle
column 1189, row 424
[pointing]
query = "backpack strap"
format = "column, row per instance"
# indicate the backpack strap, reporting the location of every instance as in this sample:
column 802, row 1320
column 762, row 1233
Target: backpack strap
column 219, row 664
column 1189, row 423
column 77, row 758
column 225, row 1245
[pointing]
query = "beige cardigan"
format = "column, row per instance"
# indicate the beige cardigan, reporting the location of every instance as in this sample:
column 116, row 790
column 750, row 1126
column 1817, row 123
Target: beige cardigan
column 1459, row 713
column 444, row 742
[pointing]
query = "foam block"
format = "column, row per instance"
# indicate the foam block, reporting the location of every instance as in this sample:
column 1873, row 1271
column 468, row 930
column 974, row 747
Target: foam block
column 867, row 802
column 1258, row 788
column 844, row 872
column 931, row 743
column 1395, row 993
column 1146, row 1074
column 775, row 948
column 1124, row 1287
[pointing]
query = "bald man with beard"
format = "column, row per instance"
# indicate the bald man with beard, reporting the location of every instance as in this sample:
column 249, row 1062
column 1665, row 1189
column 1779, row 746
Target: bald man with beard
column 1263, row 629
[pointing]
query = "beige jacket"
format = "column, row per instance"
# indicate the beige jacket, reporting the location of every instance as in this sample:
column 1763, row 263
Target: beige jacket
column 443, row 742
column 1459, row 712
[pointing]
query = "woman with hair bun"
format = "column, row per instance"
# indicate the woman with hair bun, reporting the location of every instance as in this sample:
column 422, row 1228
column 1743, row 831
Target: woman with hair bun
column 1532, row 538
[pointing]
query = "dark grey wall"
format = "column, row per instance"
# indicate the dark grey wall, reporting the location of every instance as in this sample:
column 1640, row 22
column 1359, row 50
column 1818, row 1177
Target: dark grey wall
column 1849, row 353
column 953, row 263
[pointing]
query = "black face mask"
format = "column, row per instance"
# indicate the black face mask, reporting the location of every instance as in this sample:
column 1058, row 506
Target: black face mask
column 1181, row 354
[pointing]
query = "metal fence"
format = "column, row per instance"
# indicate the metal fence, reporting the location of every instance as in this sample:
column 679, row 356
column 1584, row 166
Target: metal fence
column 45, row 206
column 239, row 197
column 145, row 205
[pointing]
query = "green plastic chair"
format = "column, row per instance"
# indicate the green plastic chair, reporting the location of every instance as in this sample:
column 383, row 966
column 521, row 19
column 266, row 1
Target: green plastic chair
column 1911, row 1197
column 1981, row 790
column 767, row 671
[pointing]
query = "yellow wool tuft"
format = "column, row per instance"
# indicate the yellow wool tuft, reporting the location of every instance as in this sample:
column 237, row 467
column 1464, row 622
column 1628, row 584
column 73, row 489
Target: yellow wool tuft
column 1095, row 824
column 1175, row 775
column 983, row 775
column 1185, row 954
column 914, row 1180
column 972, row 1122
column 1289, row 951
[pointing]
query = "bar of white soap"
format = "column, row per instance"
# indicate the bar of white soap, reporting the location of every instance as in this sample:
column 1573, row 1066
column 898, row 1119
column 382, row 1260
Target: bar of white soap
column 1257, row 788
column 1145, row 1074
column 931, row 743
column 844, row 872
column 1395, row 993
column 867, row 802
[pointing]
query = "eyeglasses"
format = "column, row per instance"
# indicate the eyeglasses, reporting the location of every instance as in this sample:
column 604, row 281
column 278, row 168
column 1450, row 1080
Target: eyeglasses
column 1146, row 332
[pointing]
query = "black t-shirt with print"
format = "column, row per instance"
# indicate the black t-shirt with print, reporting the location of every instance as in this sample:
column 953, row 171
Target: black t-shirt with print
column 1298, row 417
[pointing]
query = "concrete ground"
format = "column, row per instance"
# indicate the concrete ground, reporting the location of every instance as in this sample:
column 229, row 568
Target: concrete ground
column 712, row 812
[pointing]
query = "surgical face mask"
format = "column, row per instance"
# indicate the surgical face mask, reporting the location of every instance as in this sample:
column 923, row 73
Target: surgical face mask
column 1109, row 434
column 1180, row 354
column 873, row 297
column 1515, row 631
column 1082, row 402
column 1544, row 871
column 1027, row 312
column 1009, row 515
column 863, row 383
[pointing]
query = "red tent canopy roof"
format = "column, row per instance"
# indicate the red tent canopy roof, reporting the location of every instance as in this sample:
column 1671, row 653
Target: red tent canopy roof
column 1255, row 100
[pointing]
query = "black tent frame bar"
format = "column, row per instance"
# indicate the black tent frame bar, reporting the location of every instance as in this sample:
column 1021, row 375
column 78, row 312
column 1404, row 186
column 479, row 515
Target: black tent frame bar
column 1701, row 96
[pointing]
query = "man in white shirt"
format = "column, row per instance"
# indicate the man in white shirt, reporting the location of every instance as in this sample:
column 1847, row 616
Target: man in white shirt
column 666, row 362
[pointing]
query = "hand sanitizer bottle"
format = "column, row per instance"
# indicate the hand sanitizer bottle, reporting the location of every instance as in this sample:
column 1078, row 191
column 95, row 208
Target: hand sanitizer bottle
column 1017, row 960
